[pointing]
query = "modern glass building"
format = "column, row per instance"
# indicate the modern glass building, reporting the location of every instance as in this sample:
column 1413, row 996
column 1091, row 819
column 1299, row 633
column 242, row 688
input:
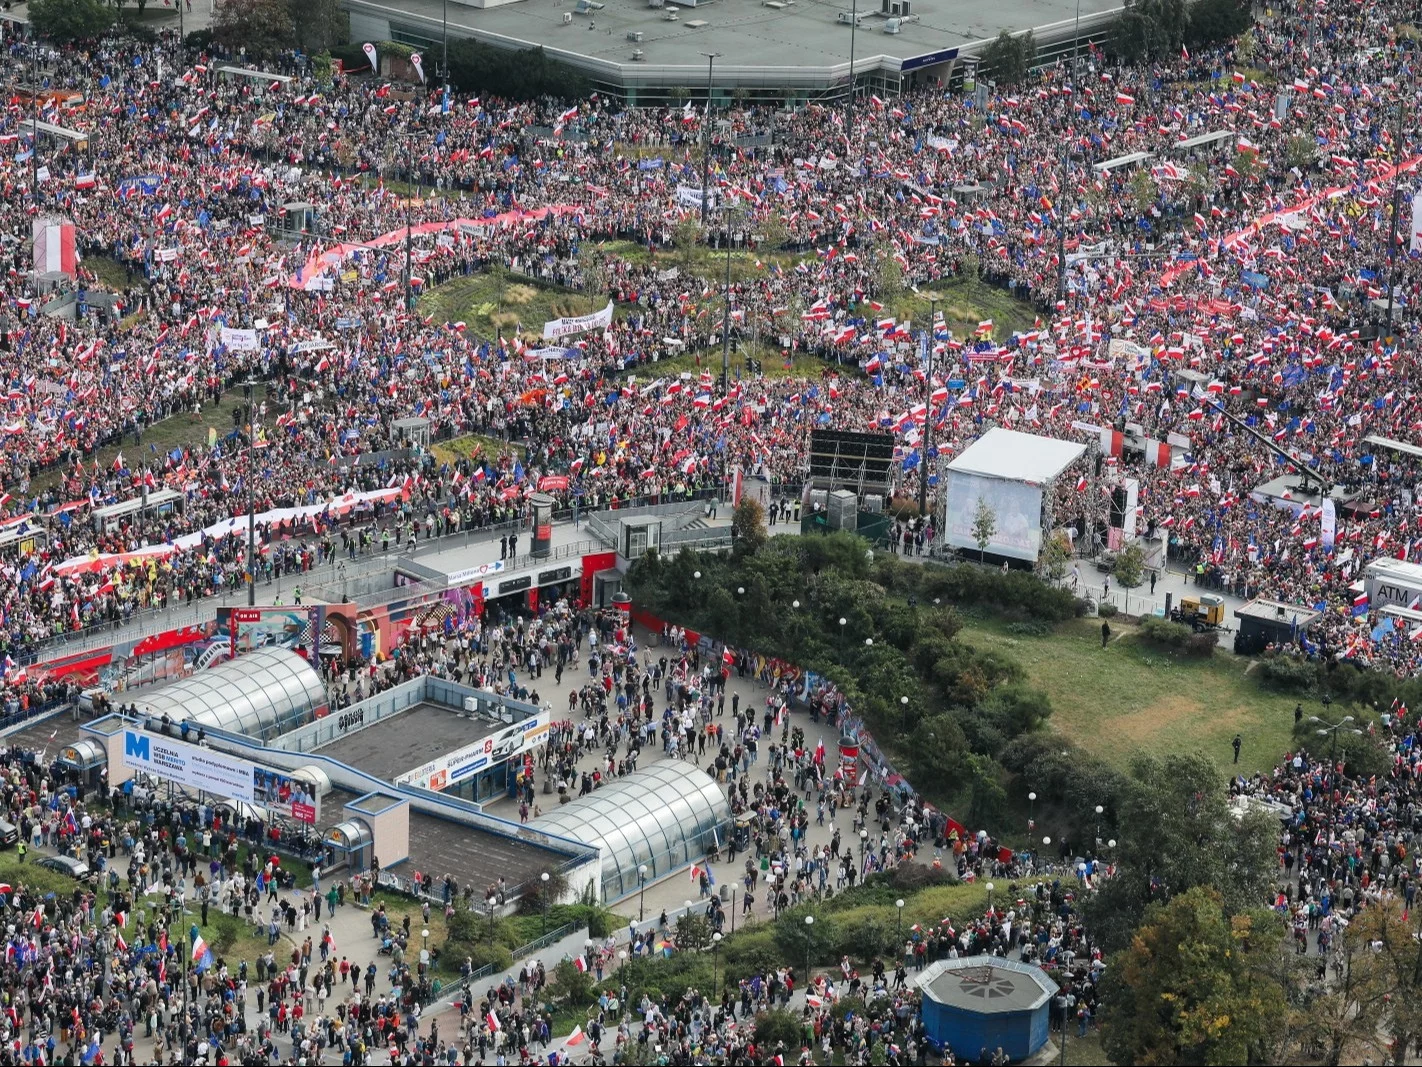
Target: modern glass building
column 258, row 695
column 664, row 817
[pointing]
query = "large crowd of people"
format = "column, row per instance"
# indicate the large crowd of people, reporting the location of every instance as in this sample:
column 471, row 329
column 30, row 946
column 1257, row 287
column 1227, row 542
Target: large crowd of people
column 1237, row 281
column 1224, row 298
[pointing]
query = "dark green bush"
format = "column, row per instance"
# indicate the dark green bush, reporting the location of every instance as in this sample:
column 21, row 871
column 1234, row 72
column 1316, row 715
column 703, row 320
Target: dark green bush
column 1029, row 628
column 1287, row 674
column 1163, row 633
column 1107, row 610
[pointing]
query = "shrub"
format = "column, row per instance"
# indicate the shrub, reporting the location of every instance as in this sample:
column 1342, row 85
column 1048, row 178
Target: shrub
column 1129, row 567
column 1107, row 610
column 1163, row 633
column 224, row 932
column 749, row 953
column 483, row 954
column 1202, row 645
column 774, row 1028
column 1287, row 674
column 1031, row 628
column 911, row 877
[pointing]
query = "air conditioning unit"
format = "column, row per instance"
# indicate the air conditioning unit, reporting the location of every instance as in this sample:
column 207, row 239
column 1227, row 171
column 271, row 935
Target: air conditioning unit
column 471, row 704
column 635, row 36
column 891, row 25
column 638, row 55
column 567, row 18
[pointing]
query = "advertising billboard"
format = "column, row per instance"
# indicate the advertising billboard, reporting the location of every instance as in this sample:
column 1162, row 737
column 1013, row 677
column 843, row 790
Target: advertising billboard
column 189, row 765
column 283, row 795
column 218, row 773
column 444, row 771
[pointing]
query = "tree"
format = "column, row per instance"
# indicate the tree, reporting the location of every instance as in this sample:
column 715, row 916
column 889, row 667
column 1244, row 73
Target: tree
column 693, row 932
column 319, row 24
column 262, row 27
column 571, row 985
column 1177, row 832
column 748, row 524
column 1055, row 554
column 1212, row 21
column 1010, row 57
column 1130, row 566
column 1144, row 191
column 70, row 20
column 1150, row 28
column 1195, row 986
column 774, row 1028
column 1300, row 151
column 984, row 526
column 684, row 235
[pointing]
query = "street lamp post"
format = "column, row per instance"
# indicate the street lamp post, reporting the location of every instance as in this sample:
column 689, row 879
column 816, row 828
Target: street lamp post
column 1066, row 154
column 1046, row 843
column 809, row 940
column 1392, row 227
column 424, row 951
column 1031, row 811
column 904, row 703
column 1099, row 811
column 711, row 58
column 642, row 888
column 544, row 879
column 899, row 922
column 733, row 908
column 726, row 310
column 251, row 493
column 842, row 623
column 849, row 104
column 989, row 887
column 928, row 347
column 1327, row 729
column 715, row 961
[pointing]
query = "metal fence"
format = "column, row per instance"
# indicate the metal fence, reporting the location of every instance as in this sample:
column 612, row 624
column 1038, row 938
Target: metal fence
column 552, row 937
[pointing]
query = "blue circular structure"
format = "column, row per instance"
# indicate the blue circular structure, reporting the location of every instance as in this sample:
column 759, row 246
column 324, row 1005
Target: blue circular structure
column 983, row 1002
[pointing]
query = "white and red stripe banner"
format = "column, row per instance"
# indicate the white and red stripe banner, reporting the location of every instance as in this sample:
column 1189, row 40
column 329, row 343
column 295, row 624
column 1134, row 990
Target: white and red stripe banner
column 54, row 246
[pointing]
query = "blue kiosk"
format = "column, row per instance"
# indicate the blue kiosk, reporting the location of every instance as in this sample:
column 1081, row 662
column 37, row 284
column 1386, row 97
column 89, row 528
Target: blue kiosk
column 983, row 1002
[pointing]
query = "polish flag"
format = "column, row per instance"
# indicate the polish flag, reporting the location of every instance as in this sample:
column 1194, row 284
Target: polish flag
column 581, row 963
column 1081, row 484
column 576, row 1037
column 493, row 1020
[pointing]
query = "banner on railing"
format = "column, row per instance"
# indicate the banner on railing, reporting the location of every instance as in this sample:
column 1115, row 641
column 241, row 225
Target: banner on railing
column 598, row 320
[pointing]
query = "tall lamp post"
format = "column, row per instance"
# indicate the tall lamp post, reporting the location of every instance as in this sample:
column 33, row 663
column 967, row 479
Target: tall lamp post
column 250, row 390
column 926, row 355
column 849, row 104
column 1031, row 811
column 715, row 960
column 1392, row 227
column 711, row 58
column 726, row 310
column 1330, row 729
column 809, row 941
column 899, row 922
column 641, row 892
column 544, row 879
column 1066, row 154
column 1099, row 811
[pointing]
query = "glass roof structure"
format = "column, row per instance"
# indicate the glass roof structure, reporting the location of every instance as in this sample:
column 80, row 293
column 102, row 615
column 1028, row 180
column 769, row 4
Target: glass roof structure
column 665, row 817
column 258, row 695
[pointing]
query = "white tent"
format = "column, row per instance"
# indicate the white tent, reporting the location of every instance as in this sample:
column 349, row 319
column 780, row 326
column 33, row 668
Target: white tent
column 1004, row 471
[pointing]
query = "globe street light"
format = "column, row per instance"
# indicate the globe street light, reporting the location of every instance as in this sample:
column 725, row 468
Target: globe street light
column 715, row 959
column 809, row 933
column 1099, row 810
column 989, row 892
column 1031, row 811
column 544, row 878
column 795, row 604
column 642, row 892
column 900, row 927
column 904, row 703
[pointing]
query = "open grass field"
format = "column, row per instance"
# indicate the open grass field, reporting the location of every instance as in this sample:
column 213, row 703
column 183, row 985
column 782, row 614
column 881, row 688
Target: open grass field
column 494, row 303
column 110, row 272
column 472, row 445
column 1129, row 697
column 177, row 431
column 703, row 262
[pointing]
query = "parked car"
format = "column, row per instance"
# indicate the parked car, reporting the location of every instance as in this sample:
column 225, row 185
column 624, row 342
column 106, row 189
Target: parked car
column 75, row 868
column 9, row 834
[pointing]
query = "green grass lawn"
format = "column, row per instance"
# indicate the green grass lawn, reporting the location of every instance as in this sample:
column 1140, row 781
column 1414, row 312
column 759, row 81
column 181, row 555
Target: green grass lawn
column 176, row 431
column 495, row 303
column 705, row 263
column 111, row 272
column 1129, row 697
column 470, row 445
